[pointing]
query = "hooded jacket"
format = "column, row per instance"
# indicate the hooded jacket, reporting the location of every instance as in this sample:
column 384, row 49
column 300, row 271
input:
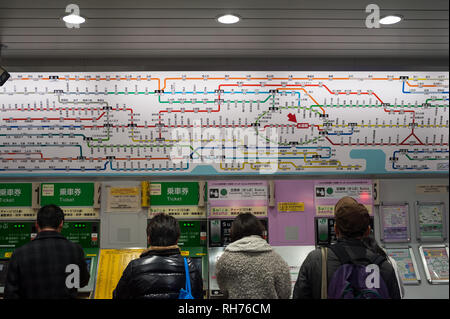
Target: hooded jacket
column 250, row 269
column 158, row 274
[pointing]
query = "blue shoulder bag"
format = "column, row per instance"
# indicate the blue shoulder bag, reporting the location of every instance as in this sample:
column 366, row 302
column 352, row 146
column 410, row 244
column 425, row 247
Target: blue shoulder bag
column 186, row 293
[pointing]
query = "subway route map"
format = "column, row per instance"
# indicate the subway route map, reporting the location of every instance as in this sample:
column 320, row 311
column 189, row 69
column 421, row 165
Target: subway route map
column 206, row 123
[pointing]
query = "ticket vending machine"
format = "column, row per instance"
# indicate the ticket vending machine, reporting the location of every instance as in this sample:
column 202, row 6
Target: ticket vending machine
column 80, row 203
column 17, row 226
column 85, row 233
column 324, row 228
column 186, row 202
column 193, row 244
column 13, row 234
column 326, row 194
column 226, row 200
column 18, row 203
column 219, row 232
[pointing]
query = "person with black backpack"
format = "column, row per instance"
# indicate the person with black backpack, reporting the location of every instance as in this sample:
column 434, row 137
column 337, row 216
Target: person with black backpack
column 348, row 269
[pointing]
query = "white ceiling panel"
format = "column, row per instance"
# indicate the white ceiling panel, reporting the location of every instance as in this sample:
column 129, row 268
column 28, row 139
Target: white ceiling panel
column 181, row 28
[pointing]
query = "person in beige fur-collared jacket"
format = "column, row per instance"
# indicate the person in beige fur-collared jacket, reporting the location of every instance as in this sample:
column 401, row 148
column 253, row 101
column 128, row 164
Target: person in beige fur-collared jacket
column 249, row 268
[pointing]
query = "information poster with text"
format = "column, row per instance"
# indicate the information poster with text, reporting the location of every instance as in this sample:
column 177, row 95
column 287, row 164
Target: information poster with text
column 436, row 263
column 231, row 198
column 430, row 220
column 395, row 222
column 406, row 265
column 123, row 199
column 111, row 266
column 328, row 192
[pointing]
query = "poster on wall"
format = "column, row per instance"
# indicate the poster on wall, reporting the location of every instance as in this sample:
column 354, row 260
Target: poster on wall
column 435, row 263
column 328, row 192
column 406, row 264
column 231, row 198
column 430, row 221
column 123, row 199
column 223, row 123
column 112, row 263
column 394, row 219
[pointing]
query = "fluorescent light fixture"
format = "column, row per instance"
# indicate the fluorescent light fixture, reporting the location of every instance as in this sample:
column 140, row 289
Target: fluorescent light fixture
column 228, row 19
column 391, row 19
column 74, row 19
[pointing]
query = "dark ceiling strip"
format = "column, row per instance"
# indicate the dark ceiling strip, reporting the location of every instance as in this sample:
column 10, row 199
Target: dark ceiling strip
column 221, row 42
column 213, row 18
column 224, row 27
column 225, row 35
column 222, row 49
column 249, row 9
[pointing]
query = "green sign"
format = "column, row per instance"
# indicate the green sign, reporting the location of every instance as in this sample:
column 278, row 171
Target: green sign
column 15, row 194
column 15, row 234
column 83, row 233
column 67, row 194
column 174, row 193
column 193, row 234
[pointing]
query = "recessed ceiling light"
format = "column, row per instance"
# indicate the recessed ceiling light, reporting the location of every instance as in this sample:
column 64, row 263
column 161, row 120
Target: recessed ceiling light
column 228, row 19
column 74, row 19
column 390, row 19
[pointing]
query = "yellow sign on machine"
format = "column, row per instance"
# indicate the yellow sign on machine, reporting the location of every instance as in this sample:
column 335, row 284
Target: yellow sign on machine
column 111, row 266
column 291, row 207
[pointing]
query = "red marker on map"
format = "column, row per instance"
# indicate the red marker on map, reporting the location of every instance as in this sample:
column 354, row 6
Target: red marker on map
column 292, row 118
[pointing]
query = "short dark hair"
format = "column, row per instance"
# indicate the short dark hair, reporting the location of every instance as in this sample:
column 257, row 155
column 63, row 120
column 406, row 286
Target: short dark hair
column 163, row 230
column 244, row 225
column 50, row 216
column 352, row 221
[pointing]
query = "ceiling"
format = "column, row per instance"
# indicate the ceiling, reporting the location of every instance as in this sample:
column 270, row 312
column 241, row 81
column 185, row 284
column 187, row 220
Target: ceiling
column 142, row 29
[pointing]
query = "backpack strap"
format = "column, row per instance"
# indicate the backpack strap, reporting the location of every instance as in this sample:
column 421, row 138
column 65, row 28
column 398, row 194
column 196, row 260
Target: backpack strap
column 188, row 277
column 344, row 257
column 324, row 288
column 378, row 260
column 341, row 253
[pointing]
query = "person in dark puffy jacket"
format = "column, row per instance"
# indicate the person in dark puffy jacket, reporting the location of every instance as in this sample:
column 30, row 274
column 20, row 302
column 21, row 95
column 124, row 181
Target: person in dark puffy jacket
column 159, row 273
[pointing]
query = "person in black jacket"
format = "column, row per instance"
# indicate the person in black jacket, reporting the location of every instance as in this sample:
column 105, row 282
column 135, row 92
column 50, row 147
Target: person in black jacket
column 159, row 273
column 352, row 226
column 39, row 269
